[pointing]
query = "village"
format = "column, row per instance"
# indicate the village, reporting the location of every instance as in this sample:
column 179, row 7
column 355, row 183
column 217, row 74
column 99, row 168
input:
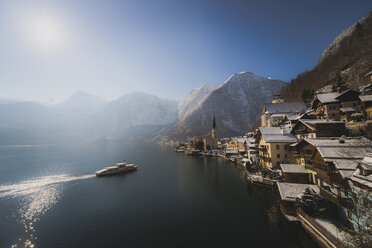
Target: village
column 317, row 158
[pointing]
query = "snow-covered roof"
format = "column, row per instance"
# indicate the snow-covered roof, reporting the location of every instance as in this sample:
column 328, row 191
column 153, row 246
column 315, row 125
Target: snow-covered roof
column 231, row 151
column 332, row 97
column 240, row 139
column 328, row 97
column 344, row 155
column 290, row 191
column 277, row 116
column 314, row 122
column 367, row 98
column 364, row 180
column 292, row 117
column 348, row 109
column 274, row 134
column 285, row 107
column 293, row 168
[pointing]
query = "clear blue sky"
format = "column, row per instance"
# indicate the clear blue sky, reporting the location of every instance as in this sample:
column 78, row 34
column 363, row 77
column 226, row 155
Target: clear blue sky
column 49, row 49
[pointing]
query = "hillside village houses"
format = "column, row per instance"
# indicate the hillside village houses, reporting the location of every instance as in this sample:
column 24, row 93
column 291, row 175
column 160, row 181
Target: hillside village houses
column 313, row 150
column 276, row 111
column 273, row 146
column 331, row 105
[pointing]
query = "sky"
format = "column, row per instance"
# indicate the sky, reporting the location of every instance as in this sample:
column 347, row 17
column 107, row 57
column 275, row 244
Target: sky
column 50, row 49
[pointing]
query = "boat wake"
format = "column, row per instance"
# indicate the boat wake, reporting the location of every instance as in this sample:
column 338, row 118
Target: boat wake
column 36, row 196
column 38, row 184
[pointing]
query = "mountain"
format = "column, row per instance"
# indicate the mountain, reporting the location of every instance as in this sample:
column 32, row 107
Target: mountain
column 135, row 111
column 80, row 103
column 348, row 58
column 192, row 99
column 237, row 105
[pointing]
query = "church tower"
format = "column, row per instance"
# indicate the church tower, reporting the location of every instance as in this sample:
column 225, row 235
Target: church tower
column 214, row 128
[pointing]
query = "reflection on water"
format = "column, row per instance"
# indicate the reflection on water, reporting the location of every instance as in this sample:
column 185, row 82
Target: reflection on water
column 37, row 196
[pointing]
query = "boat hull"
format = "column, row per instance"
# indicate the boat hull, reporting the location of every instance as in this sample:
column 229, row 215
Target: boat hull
column 115, row 172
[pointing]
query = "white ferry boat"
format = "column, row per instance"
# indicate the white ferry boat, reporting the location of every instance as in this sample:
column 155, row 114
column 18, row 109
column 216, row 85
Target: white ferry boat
column 119, row 168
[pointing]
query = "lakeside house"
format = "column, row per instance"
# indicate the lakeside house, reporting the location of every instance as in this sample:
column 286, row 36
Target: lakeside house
column 273, row 146
column 331, row 162
column 294, row 173
column 288, row 192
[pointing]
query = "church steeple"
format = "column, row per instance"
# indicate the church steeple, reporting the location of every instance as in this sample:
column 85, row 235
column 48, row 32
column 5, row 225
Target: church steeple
column 214, row 130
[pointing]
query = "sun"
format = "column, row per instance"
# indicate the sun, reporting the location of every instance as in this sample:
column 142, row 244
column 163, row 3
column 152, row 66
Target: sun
column 47, row 32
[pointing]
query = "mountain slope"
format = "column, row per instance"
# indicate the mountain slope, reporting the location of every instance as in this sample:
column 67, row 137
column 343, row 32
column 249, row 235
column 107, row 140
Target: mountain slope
column 349, row 58
column 192, row 99
column 237, row 105
column 132, row 111
column 80, row 103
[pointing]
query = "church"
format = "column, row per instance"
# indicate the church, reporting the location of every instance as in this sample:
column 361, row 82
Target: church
column 210, row 140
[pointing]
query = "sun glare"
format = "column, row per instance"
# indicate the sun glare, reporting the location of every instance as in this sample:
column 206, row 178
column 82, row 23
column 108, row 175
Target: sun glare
column 46, row 32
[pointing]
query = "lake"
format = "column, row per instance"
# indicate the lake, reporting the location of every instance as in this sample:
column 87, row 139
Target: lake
column 49, row 197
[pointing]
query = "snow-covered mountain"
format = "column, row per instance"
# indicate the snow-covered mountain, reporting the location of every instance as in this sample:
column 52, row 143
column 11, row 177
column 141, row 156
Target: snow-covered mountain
column 192, row 99
column 132, row 111
column 237, row 105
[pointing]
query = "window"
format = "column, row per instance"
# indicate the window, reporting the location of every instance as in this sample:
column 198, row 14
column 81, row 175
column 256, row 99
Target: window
column 278, row 155
column 354, row 104
column 286, row 156
column 286, row 147
column 277, row 147
column 307, row 152
column 333, row 115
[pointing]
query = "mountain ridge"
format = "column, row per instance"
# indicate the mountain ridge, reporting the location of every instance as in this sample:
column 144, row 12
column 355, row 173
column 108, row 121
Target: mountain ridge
column 236, row 103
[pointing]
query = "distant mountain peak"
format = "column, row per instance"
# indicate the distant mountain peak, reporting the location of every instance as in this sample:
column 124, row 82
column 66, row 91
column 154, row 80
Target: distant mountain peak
column 236, row 103
column 192, row 99
column 246, row 77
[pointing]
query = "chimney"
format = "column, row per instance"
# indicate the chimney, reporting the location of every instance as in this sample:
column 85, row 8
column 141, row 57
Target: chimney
column 282, row 130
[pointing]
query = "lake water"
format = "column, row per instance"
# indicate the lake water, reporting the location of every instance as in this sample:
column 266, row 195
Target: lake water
column 49, row 197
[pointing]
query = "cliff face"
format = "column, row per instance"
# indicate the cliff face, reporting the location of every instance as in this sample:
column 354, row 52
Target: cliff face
column 348, row 57
column 237, row 105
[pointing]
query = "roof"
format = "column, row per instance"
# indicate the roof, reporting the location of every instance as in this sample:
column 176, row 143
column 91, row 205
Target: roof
column 330, row 149
column 231, row 151
column 312, row 123
column 367, row 98
column 285, row 107
column 364, row 180
column 292, row 117
column 293, row 168
column 289, row 191
column 347, row 109
column 345, row 156
column 274, row 134
column 328, row 97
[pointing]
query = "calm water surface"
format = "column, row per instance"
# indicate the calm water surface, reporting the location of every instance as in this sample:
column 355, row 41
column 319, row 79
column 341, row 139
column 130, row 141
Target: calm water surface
column 50, row 198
